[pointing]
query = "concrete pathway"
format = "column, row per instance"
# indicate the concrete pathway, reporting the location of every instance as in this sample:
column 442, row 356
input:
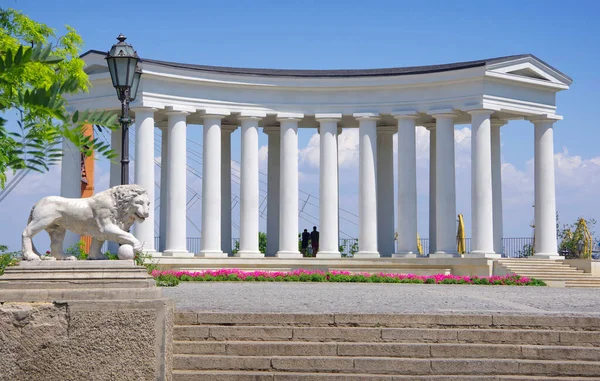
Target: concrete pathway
column 381, row 298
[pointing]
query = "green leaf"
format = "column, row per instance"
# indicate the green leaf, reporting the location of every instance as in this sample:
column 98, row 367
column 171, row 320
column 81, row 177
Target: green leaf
column 19, row 56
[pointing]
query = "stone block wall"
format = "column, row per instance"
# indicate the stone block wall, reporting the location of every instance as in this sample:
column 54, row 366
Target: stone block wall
column 86, row 340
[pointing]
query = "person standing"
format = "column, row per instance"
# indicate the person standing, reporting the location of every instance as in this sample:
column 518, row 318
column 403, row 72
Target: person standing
column 305, row 238
column 314, row 240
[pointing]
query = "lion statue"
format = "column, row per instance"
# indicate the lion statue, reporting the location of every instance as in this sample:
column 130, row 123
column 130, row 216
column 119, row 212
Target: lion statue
column 106, row 216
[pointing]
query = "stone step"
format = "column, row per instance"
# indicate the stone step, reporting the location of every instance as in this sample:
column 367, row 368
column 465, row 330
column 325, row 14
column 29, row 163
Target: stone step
column 363, row 334
column 540, row 265
column 370, row 349
column 540, row 268
column 583, row 283
column 380, row 365
column 529, row 260
column 340, row 320
column 562, row 277
column 186, row 375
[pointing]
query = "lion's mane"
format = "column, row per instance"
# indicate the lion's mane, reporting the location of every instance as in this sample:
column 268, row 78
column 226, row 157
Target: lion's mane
column 122, row 196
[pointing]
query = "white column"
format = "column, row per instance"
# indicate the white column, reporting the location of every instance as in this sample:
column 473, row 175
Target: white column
column 164, row 188
column 144, row 171
column 210, row 242
column 328, row 189
column 226, row 188
column 70, row 182
column 176, row 185
column 445, row 204
column 432, row 199
column 407, row 186
column 545, row 199
column 497, row 186
column 482, row 215
column 367, row 192
column 273, row 189
column 249, row 189
column 288, row 191
column 385, row 190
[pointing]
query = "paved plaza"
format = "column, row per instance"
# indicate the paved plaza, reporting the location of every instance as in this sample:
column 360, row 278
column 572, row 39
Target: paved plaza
column 382, row 298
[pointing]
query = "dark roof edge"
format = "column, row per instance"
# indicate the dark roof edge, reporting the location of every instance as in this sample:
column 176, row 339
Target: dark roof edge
column 338, row 73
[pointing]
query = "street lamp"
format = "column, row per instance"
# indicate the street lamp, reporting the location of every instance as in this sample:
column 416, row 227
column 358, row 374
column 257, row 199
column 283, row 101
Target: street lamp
column 122, row 62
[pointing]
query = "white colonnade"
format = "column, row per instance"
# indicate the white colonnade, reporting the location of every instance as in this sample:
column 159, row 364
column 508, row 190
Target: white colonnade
column 379, row 102
column 377, row 222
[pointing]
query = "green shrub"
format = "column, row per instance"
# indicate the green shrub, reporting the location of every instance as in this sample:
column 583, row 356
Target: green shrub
column 7, row 260
column 111, row 256
column 167, row 280
column 77, row 250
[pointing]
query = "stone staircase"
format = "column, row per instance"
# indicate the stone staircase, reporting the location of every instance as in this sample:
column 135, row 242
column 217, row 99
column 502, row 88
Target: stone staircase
column 554, row 273
column 351, row 347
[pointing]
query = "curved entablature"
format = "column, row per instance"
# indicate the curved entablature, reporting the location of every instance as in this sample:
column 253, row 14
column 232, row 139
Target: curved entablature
column 514, row 87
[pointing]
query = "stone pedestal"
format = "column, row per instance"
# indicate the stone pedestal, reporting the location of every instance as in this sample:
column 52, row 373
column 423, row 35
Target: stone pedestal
column 52, row 312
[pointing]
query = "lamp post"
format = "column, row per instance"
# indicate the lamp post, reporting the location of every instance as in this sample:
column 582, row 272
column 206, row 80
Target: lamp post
column 122, row 62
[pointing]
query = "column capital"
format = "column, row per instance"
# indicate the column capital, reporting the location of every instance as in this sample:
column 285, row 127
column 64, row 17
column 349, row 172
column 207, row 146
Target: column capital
column 144, row 109
column 405, row 114
column 289, row 116
column 480, row 111
column 178, row 109
column 443, row 113
column 498, row 122
column 366, row 115
column 177, row 112
column 271, row 130
column 228, row 128
column 252, row 115
column 214, row 113
column 545, row 118
column 387, row 130
column 328, row 117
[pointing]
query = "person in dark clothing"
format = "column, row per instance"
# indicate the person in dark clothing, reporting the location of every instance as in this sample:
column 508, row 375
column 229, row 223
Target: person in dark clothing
column 314, row 240
column 305, row 238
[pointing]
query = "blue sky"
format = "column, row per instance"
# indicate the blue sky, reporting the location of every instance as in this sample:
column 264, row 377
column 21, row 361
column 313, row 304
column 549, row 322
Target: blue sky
column 358, row 34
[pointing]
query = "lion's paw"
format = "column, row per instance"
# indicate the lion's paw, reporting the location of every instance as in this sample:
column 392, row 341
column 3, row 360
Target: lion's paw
column 48, row 258
column 31, row 257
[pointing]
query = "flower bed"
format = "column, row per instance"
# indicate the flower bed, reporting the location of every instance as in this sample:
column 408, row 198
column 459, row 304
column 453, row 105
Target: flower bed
column 172, row 278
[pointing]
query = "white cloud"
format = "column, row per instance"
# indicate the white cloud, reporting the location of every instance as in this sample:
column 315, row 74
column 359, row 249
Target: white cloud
column 348, row 153
column 310, row 155
column 263, row 156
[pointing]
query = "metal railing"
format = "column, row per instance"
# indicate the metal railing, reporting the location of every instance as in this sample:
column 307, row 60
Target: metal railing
column 513, row 247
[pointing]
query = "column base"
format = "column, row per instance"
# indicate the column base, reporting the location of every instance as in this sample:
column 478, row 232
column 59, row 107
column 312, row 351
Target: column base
column 480, row 254
column 211, row 254
column 288, row 254
column 329, row 254
column 249, row 254
column 407, row 254
column 177, row 253
column 553, row 256
column 443, row 254
column 367, row 254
